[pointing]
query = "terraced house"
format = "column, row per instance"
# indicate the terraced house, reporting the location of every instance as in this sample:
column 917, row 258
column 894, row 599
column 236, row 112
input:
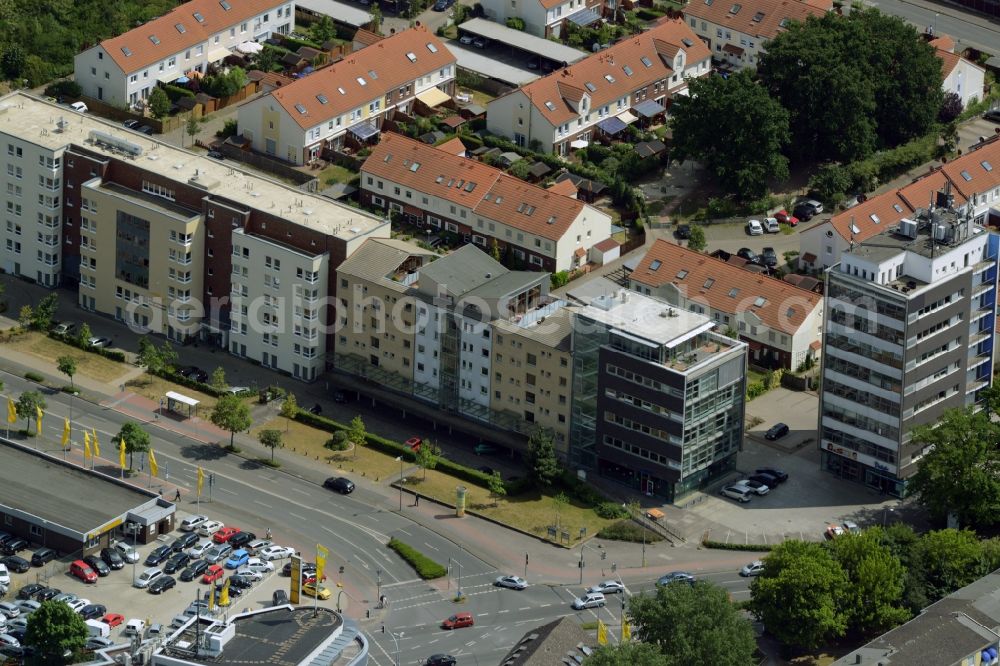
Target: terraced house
column 638, row 77
column 124, row 69
column 350, row 98
column 427, row 186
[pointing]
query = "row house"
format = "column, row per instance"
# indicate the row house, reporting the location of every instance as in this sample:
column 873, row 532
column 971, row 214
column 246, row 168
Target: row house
column 354, row 96
column 540, row 229
column 122, row 71
column 780, row 322
column 545, row 18
column 642, row 73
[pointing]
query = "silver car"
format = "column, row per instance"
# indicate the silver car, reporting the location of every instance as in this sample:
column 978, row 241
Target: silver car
column 739, row 493
column 589, row 600
column 217, row 553
column 608, row 587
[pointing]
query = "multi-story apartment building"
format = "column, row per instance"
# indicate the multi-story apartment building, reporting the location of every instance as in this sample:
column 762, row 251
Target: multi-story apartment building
column 973, row 180
column 737, row 32
column 296, row 122
column 908, row 334
column 124, row 69
column 658, row 397
column 642, row 73
column 171, row 242
column 436, row 188
column 781, row 323
column 545, row 18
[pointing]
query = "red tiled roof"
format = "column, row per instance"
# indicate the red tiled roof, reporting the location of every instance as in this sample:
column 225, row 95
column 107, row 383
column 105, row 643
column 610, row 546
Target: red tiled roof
column 556, row 95
column 607, row 244
column 340, row 86
column 762, row 18
column 452, row 146
column 564, row 187
column 489, row 192
column 726, row 287
column 366, row 37
column 170, row 40
column 943, row 43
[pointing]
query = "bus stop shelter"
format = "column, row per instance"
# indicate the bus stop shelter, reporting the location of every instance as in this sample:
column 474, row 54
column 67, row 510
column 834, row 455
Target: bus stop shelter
column 181, row 404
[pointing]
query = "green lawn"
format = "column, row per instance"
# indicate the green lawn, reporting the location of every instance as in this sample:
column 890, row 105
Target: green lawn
column 336, row 174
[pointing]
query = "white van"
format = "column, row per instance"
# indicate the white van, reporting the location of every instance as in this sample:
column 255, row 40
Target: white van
column 79, row 107
column 147, row 577
column 98, row 628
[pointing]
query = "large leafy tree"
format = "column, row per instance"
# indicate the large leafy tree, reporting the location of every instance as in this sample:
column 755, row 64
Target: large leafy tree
column 627, row 654
column 542, row 462
column 231, row 413
column 874, row 597
column 949, row 559
column 901, row 540
column 56, row 633
column 136, row 439
column 28, row 405
column 800, row 594
column 693, row 624
column 743, row 144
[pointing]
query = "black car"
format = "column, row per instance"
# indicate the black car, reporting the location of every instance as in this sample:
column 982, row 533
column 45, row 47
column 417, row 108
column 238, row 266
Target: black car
column 159, row 554
column 488, row 471
column 748, row 254
column 804, row 211
column 195, row 374
column 98, row 565
column 339, row 397
column 241, row 539
column 184, row 541
column 42, row 556
column 440, row 660
column 443, row 5
column 776, row 473
column 162, row 584
column 176, row 562
column 113, row 558
column 15, row 545
column 992, row 115
column 306, row 566
column 195, row 569
column 239, row 581
column 130, row 124
column 766, row 479
column 340, row 484
column 279, row 598
column 214, row 154
column 777, row 431
column 29, row 591
column 93, row 611
column 16, row 564
column 316, row 409
column 683, row 231
column 769, row 257
column 145, row 129
column 47, row 593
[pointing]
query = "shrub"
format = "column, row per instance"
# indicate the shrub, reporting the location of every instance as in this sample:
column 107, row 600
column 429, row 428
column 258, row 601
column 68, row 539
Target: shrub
column 34, row 377
column 720, row 545
column 338, row 442
column 627, row 530
column 581, row 491
column 64, row 88
column 174, row 93
column 228, row 129
column 611, row 510
column 425, row 567
column 755, row 390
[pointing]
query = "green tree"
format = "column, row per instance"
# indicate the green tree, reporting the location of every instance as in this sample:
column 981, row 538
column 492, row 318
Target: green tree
column 83, row 335
column 324, row 30
column 515, row 23
column 28, row 404
column 693, row 624
column 159, row 103
column 272, row 439
column 561, row 501
column 497, row 487
column 949, row 559
column 743, row 144
column 874, row 595
column 266, row 59
column 191, row 127
column 218, row 379
column 901, row 541
column 233, row 414
column 155, row 359
column 66, row 364
column 12, row 62
column 428, row 456
column 627, row 654
column 520, row 169
column 375, row 16
column 960, row 470
column 289, row 408
column 24, row 316
column 56, row 633
column 799, row 595
column 697, row 241
column 44, row 312
column 357, row 433
column 136, row 439
column 542, row 461
column 495, row 250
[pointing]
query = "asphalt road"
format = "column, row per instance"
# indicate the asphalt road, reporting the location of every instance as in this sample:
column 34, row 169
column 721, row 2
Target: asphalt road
column 967, row 28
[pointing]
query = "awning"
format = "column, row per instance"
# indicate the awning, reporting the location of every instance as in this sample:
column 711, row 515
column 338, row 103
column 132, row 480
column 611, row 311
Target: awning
column 612, row 126
column 648, row 108
column 217, row 54
column 683, row 91
column 579, row 143
column 732, row 49
column 363, row 130
column 579, row 252
column 585, row 17
column 627, row 117
column 167, row 77
column 183, row 399
column 433, row 97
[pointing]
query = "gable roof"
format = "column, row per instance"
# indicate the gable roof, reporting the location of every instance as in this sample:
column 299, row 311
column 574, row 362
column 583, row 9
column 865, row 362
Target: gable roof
column 489, row 192
column 726, row 287
column 615, row 72
column 762, row 18
column 338, row 89
column 565, row 187
column 453, row 146
column 184, row 26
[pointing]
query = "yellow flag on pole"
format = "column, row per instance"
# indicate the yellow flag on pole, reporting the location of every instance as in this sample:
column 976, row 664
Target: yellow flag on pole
column 626, row 631
column 11, row 411
column 65, row 437
column 38, row 419
column 602, row 633
column 86, row 445
column 224, row 596
column 322, row 553
column 154, row 469
column 97, row 447
column 121, row 453
column 201, row 480
column 211, row 596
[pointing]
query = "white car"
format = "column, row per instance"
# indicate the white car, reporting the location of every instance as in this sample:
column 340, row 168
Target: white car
column 4, row 575
column 257, row 545
column 250, row 574
column 738, row 493
column 607, row 587
column 467, row 39
column 815, row 204
column 276, row 552
column 771, row 225
column 198, row 550
column 753, row 569
column 146, row 577
column 9, row 610
column 135, row 627
column 129, row 553
column 18, row 623
column 755, row 487
column 192, row 523
column 851, row 527
column 257, row 564
column 78, row 604
column 513, row 582
column 6, row 640
column 589, row 600
column 27, row 606
column 754, row 228
column 210, row 527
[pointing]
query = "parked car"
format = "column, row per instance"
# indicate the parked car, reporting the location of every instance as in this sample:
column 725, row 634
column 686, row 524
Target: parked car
column 675, row 577
column 135, row 627
column 738, row 493
column 78, row 604
column 777, row 431
column 748, row 254
column 440, row 660
column 144, row 579
column 128, row 553
column 771, row 225
column 769, row 257
column 242, row 539
column 756, row 487
column 29, row 591
column 783, row 217
column 467, row 39
column 340, row 484
column 755, row 228
column 79, row 107
column 513, row 582
column 804, row 211
column 162, row 584
column 99, row 566
column 241, row 581
column 4, row 575
column 199, row 549
column 316, row 409
column 816, row 205
column 237, row 559
column 310, row 589
column 225, row 534
column 339, row 397
column 992, row 115
column 607, row 587
column 145, row 129
column 82, row 570
column 192, row 523
column 16, row 564
column 766, row 479
column 14, row 546
column 257, row 564
column 218, row 552
column 213, row 573
column 276, row 552
column 28, row 606
column 257, row 545
column 130, row 124
column 480, row 42
column 753, row 569
column 65, row 597
column 92, row 611
column 98, row 643
column 209, row 528
column 64, row 328
column 42, row 556
column 9, row 610
column 216, row 155
column 683, row 231
column 851, row 526
column 99, row 342
column 459, row 620
column 176, row 562
column 158, row 555
column 279, row 598
column 776, row 473
column 48, row 593
column 443, row 5
column 195, row 569
column 589, row 600
column 834, row 531
column 256, row 576
column 184, row 541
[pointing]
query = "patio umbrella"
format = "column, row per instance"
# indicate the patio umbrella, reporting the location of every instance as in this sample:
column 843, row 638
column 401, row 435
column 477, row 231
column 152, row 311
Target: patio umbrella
column 249, row 47
column 182, row 79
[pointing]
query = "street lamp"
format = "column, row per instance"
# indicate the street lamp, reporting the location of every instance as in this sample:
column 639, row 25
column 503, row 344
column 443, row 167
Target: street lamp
column 400, row 460
column 378, row 583
column 394, row 641
column 887, row 510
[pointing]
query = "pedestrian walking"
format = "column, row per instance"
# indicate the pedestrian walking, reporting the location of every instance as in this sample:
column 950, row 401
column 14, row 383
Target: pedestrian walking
column 268, row 535
column 177, row 495
column 416, row 502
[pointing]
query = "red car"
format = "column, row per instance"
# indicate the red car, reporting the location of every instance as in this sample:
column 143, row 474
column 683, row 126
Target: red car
column 113, row 619
column 225, row 534
column 458, row 620
column 214, row 573
column 783, row 217
column 414, row 444
column 82, row 570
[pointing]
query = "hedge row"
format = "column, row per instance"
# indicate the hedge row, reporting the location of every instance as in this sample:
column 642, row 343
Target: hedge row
column 83, row 345
column 425, row 567
column 628, row 530
column 177, row 378
column 722, row 545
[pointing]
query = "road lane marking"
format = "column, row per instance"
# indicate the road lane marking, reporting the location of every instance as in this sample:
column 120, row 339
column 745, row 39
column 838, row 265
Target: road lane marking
column 299, row 490
column 295, row 515
column 262, row 504
column 224, row 490
column 524, row 609
column 429, row 546
column 503, row 611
